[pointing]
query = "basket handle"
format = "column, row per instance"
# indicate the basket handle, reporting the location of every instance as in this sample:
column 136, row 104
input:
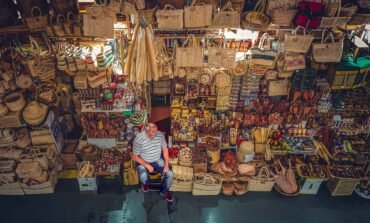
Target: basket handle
column 169, row 7
column 260, row 6
column 208, row 176
column 69, row 16
column 33, row 11
column 194, row 2
column 192, row 41
column 229, row 6
column 3, row 180
column 61, row 17
column 298, row 28
column 265, row 37
column 181, row 177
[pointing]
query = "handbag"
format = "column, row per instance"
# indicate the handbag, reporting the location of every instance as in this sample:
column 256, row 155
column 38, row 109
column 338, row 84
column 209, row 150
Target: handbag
column 207, row 184
column 327, row 52
column 279, row 4
column 298, row 43
column 99, row 21
column 220, row 57
column 336, row 21
column 58, row 26
column 264, row 181
column 197, row 15
column 278, row 87
column 294, row 61
column 164, row 59
column 170, row 18
column 256, row 19
column 36, row 23
column 309, row 14
column 264, row 56
column 190, row 56
column 227, row 17
column 180, row 184
column 34, row 155
column 43, row 64
column 282, row 12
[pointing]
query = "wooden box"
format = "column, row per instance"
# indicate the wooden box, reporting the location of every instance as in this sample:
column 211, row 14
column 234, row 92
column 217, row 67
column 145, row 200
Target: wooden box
column 342, row 186
column 11, row 120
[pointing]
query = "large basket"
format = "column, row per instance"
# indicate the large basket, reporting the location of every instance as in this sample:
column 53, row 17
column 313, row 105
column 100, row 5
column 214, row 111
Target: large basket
column 15, row 101
column 207, row 184
column 262, row 182
column 182, row 172
column 226, row 18
column 170, row 18
column 256, row 19
column 180, row 184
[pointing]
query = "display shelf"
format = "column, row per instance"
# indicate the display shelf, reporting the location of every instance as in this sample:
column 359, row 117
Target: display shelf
column 106, row 111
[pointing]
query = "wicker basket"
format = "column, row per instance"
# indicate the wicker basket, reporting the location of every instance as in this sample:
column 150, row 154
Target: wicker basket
column 182, row 172
column 226, row 18
column 282, row 18
column 180, row 184
column 15, row 101
column 256, row 19
column 207, row 184
column 342, row 186
column 262, row 182
column 170, row 18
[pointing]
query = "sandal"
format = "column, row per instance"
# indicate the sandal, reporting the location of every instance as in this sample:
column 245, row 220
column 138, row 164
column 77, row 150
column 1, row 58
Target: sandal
column 228, row 188
column 240, row 188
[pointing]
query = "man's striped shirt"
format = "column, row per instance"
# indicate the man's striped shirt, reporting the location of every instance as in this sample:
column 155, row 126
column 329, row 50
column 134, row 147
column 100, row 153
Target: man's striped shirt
column 149, row 150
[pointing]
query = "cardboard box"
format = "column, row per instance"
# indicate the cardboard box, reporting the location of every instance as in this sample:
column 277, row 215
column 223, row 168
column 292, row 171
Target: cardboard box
column 87, row 184
column 311, row 185
column 11, row 189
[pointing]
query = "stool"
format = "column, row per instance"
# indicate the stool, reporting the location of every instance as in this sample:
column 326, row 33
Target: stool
column 155, row 181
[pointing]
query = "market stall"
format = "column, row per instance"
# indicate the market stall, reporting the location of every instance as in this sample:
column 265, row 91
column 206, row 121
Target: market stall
column 262, row 97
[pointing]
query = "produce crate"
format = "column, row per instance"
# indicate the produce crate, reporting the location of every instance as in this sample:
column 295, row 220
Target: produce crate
column 342, row 186
column 310, row 185
column 11, row 189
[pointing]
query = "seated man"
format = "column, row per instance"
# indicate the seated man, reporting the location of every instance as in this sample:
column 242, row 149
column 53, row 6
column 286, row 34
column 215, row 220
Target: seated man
column 147, row 152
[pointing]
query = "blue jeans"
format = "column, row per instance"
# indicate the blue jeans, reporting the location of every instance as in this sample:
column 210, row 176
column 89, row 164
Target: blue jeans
column 158, row 167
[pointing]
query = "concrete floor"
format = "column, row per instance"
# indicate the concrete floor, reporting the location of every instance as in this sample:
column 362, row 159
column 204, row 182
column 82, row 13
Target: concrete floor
column 68, row 206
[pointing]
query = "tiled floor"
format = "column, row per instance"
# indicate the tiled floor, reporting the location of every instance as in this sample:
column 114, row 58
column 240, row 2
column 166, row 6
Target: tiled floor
column 68, row 206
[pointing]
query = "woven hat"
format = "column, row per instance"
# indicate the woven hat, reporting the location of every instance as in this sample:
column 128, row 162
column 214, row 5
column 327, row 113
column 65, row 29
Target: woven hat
column 205, row 77
column 34, row 113
column 3, row 110
column 222, row 79
column 241, row 67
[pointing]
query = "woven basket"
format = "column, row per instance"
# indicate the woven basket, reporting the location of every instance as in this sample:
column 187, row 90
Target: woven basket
column 298, row 43
column 185, row 157
column 207, row 184
column 226, row 18
column 190, row 56
column 348, row 10
column 97, row 80
column 36, row 23
column 183, row 172
column 278, row 87
column 29, row 170
column 197, row 15
column 282, row 18
column 262, row 182
column 170, row 18
column 23, row 139
column 180, row 184
column 327, row 52
column 149, row 15
column 256, row 19
column 80, row 81
column 15, row 101
column 219, row 57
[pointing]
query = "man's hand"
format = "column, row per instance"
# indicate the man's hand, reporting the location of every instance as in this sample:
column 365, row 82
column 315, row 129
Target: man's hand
column 166, row 169
column 149, row 168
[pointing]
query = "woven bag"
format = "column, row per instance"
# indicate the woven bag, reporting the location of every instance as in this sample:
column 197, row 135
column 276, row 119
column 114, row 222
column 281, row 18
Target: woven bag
column 170, row 18
column 207, row 184
column 29, row 170
column 190, row 56
column 185, row 157
column 183, row 172
column 334, row 22
column 279, row 4
column 197, row 15
column 262, row 182
column 37, row 22
column 256, row 19
column 34, row 155
column 327, row 52
column 180, row 184
column 278, row 87
column 298, row 43
column 99, row 21
column 264, row 55
column 80, row 81
column 226, row 18
column 294, row 62
column 282, row 17
column 221, row 57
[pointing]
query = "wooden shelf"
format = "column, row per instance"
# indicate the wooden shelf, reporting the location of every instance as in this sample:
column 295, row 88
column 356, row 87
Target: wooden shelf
column 106, row 111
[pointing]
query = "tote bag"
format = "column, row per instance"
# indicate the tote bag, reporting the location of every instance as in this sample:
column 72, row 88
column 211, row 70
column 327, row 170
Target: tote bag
column 190, row 56
column 327, row 52
column 197, row 15
column 298, row 43
column 220, row 57
column 99, row 21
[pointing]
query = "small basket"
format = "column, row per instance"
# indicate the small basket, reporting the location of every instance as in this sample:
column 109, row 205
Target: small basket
column 15, row 101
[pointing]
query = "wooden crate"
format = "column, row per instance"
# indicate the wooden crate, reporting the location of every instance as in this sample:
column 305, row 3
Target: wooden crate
column 342, row 186
column 11, row 189
column 11, row 120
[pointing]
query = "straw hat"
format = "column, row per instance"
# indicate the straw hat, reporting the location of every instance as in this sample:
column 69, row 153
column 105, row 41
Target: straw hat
column 34, row 113
column 222, row 79
column 241, row 67
column 3, row 109
column 205, row 77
